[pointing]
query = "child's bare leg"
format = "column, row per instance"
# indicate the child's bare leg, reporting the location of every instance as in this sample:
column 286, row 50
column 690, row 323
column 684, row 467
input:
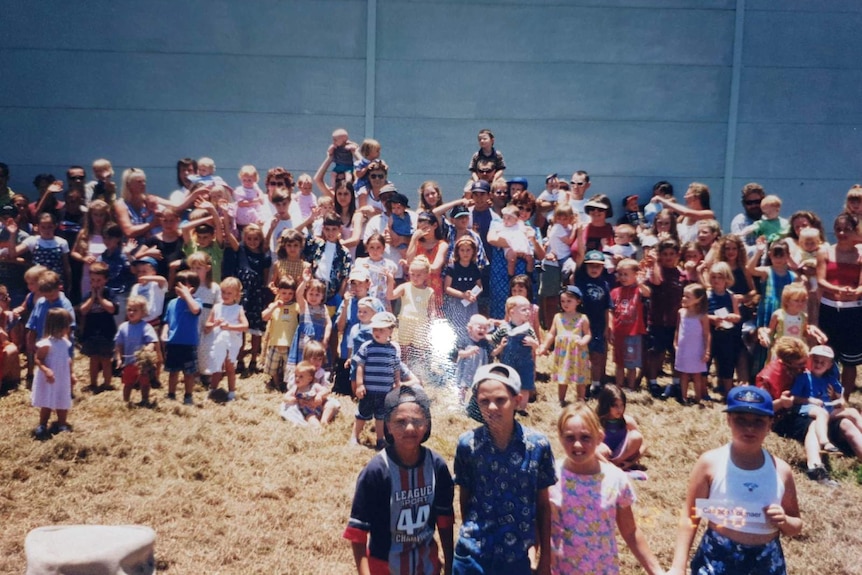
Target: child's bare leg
column 189, row 382
column 95, row 366
column 173, row 380
column 812, row 447
column 255, row 347
column 598, row 365
column 215, row 379
column 683, row 386
column 848, row 380
column 44, row 415
column 511, row 260
column 531, row 262
column 62, row 414
column 631, row 451
column 313, row 422
column 358, row 426
column 619, row 374
column 230, row 368
column 107, row 370
column 821, row 425
column 11, row 363
column 581, row 388
column 378, row 429
column 330, row 408
column 127, row 392
column 851, row 414
column 562, row 390
column 699, row 387
column 631, row 378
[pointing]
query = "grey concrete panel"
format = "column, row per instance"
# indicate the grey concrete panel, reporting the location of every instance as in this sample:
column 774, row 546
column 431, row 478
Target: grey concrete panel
column 662, row 4
column 621, row 148
column 314, row 28
column 481, row 34
column 157, row 139
column 802, row 151
column 800, row 95
column 804, row 5
column 827, row 40
column 138, row 81
column 561, row 91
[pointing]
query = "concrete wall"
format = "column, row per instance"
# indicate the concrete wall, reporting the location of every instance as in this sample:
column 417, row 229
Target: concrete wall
column 633, row 91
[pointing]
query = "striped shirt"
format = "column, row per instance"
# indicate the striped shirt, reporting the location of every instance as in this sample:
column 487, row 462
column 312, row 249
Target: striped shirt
column 380, row 361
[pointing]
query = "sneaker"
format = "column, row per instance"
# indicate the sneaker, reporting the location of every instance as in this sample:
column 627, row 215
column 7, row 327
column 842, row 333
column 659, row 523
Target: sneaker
column 595, row 388
column 352, row 442
column 41, row 433
column 231, row 396
column 63, row 428
column 187, row 399
column 172, row 396
column 667, row 393
column 654, row 390
column 637, row 475
column 820, row 475
column 252, row 367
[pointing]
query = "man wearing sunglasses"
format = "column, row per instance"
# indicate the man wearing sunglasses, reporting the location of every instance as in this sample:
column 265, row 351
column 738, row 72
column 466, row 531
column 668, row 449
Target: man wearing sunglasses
column 752, row 194
column 579, row 184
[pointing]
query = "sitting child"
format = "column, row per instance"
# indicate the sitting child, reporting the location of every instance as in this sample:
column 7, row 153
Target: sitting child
column 819, row 387
column 623, row 444
column 305, row 402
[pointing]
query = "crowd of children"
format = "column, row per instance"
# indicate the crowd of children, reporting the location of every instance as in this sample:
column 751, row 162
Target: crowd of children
column 348, row 293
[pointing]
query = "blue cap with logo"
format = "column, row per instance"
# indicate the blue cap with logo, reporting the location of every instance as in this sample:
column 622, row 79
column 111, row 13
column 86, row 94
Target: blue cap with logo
column 749, row 399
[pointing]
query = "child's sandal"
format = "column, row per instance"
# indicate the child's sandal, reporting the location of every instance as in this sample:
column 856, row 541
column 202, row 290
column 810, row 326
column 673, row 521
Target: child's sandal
column 829, row 447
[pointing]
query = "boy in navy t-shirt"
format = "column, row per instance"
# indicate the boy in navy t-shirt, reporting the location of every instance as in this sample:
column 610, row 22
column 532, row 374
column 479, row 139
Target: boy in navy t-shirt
column 180, row 334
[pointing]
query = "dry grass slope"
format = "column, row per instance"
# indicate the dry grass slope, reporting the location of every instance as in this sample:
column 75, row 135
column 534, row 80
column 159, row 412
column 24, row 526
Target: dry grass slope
column 233, row 489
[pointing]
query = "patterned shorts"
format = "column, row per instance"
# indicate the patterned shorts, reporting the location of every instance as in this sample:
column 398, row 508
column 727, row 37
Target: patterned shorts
column 718, row 555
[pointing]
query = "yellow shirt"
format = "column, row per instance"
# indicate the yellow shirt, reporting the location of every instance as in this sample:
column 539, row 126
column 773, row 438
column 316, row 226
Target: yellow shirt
column 283, row 325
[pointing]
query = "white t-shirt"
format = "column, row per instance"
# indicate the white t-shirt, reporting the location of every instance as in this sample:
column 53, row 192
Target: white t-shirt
column 557, row 244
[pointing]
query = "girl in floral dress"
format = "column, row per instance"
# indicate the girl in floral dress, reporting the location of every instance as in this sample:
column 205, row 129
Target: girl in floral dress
column 591, row 498
column 570, row 336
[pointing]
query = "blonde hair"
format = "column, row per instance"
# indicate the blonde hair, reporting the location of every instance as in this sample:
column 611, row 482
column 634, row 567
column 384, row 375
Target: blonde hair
column 201, row 259
column 369, row 145
column 304, row 367
column 128, row 174
column 34, row 273
column 587, row 415
column 625, row 229
column 515, row 301
column 58, row 321
column 771, row 199
column 794, row 291
column 722, row 269
column 810, row 234
column 231, row 282
column 206, row 162
column 137, row 301
column 304, row 179
column 628, row 264
column 254, row 228
column 420, row 262
column 249, row 170
column 103, row 164
column 83, row 243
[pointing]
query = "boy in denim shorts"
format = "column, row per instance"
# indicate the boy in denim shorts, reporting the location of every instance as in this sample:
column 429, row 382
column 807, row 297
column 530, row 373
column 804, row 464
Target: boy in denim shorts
column 377, row 373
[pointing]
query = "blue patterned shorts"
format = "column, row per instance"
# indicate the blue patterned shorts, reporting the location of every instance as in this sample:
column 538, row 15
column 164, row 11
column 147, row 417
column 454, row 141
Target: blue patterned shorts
column 718, row 555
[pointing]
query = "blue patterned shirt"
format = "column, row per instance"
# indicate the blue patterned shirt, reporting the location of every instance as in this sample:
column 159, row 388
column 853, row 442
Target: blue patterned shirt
column 499, row 524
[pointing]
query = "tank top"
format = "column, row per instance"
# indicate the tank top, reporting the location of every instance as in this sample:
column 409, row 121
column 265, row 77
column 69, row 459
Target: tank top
column 843, row 274
column 753, row 488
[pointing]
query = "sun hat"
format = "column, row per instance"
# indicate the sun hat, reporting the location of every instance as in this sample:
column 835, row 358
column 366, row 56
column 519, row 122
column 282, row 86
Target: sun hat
column 383, row 319
column 749, row 399
column 822, row 351
column 498, row 372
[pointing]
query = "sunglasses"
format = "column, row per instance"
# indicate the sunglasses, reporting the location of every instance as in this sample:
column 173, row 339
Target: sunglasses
column 376, row 176
column 579, row 184
column 76, row 178
column 752, row 202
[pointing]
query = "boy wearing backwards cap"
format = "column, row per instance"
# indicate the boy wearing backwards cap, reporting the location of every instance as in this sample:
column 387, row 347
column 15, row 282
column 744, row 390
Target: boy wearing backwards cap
column 747, row 495
column 402, row 495
column 378, row 371
column 503, row 471
column 592, row 280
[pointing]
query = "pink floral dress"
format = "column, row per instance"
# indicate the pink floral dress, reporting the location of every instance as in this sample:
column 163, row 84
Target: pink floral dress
column 571, row 361
column 584, row 520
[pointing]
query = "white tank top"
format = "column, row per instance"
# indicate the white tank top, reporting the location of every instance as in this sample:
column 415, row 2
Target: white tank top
column 749, row 489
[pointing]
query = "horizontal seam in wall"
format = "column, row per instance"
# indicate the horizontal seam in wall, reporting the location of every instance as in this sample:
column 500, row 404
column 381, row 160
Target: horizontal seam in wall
column 180, row 110
column 178, row 53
